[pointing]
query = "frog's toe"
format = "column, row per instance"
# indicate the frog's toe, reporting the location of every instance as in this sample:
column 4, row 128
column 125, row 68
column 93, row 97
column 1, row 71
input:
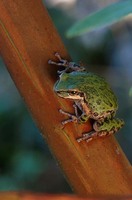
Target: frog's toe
column 72, row 118
column 67, row 121
column 88, row 136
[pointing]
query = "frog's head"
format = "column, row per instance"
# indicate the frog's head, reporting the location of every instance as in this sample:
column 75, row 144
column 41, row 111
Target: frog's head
column 67, row 87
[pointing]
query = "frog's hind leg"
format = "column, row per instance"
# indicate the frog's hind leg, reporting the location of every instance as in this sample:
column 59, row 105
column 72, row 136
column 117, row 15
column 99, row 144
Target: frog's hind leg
column 102, row 129
column 88, row 136
column 108, row 126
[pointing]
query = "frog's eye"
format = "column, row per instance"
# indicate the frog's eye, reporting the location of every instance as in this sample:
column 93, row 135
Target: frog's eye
column 76, row 93
column 73, row 92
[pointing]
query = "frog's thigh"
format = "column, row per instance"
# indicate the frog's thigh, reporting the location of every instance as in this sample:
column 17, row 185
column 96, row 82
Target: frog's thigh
column 108, row 127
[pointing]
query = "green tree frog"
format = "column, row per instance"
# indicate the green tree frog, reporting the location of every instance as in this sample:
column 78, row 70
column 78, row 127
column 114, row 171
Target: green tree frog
column 92, row 97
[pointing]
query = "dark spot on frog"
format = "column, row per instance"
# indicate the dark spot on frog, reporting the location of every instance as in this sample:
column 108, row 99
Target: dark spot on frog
column 90, row 104
column 95, row 114
column 98, row 101
column 110, row 104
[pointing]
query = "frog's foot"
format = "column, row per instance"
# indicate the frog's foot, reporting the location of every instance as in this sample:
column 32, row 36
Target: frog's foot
column 69, row 66
column 92, row 135
column 88, row 136
column 72, row 118
column 61, row 62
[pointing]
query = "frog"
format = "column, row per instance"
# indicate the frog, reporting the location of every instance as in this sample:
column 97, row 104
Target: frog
column 92, row 99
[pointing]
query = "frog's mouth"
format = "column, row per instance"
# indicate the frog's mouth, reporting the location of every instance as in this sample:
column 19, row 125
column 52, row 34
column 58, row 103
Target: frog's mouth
column 71, row 94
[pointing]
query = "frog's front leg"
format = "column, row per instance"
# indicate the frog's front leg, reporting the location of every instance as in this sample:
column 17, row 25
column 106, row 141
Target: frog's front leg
column 72, row 118
column 107, row 127
column 61, row 62
column 68, row 65
column 77, row 117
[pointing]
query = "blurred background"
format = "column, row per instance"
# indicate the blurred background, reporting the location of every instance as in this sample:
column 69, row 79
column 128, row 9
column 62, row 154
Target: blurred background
column 25, row 160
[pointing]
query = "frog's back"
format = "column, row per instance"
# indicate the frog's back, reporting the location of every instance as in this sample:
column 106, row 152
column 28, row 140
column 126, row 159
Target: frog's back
column 99, row 96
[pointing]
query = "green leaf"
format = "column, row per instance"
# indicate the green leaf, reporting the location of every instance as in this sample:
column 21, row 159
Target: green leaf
column 104, row 17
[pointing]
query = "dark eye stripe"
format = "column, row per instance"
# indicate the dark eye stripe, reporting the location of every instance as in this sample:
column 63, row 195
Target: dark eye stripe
column 73, row 92
column 77, row 93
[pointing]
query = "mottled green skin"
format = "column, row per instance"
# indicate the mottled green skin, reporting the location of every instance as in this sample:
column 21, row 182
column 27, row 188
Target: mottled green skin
column 98, row 95
column 91, row 95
